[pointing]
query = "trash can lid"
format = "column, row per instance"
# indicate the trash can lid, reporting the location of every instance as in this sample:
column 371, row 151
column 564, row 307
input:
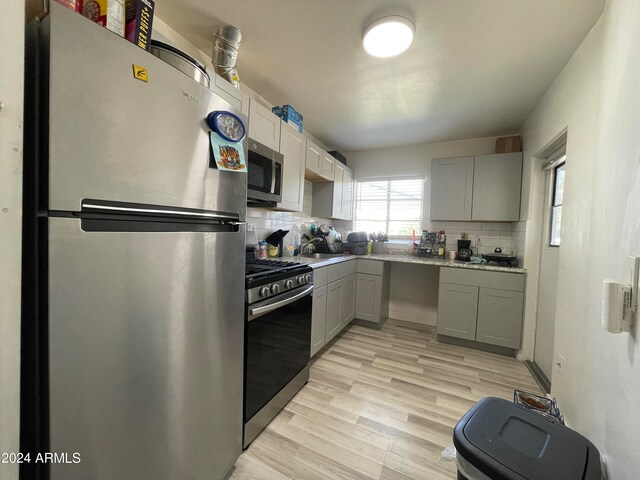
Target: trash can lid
column 507, row 442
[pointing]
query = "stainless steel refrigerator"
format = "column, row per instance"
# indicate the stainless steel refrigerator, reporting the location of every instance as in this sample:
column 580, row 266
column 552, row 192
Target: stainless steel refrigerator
column 134, row 266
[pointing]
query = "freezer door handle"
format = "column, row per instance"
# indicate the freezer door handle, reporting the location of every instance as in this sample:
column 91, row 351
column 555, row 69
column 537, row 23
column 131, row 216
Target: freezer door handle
column 116, row 207
column 254, row 312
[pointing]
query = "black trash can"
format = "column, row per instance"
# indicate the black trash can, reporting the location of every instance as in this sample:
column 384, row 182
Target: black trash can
column 497, row 440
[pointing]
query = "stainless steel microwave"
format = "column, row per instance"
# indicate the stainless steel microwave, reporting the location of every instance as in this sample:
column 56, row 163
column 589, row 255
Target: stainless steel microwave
column 265, row 175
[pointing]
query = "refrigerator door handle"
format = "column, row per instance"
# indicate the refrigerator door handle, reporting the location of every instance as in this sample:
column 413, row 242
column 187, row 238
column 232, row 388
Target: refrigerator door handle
column 160, row 210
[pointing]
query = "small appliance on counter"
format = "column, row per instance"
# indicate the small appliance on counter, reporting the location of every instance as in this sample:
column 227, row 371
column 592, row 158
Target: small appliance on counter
column 357, row 243
column 464, row 250
column 432, row 244
column 276, row 239
column 499, row 257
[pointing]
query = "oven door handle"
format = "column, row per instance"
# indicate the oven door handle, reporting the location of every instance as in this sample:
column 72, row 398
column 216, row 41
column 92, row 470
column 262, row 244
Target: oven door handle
column 254, row 312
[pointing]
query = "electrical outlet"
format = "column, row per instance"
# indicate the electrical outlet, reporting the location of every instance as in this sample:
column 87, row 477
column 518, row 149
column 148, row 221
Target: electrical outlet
column 251, row 227
column 559, row 362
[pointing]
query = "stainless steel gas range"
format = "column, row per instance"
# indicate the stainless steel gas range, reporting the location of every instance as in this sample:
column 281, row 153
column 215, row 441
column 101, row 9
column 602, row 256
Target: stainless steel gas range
column 279, row 298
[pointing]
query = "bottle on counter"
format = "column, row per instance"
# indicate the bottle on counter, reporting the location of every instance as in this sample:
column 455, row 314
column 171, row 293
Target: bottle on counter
column 262, row 250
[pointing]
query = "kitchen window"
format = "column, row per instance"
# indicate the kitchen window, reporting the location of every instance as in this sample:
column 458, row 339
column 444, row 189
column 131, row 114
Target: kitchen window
column 556, row 205
column 393, row 206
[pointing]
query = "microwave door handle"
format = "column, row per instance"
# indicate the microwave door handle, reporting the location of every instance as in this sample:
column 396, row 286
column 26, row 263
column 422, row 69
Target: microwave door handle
column 273, row 176
column 254, row 312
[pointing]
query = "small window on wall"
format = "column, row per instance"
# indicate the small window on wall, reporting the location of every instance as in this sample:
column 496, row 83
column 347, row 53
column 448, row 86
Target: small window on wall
column 390, row 206
column 556, row 206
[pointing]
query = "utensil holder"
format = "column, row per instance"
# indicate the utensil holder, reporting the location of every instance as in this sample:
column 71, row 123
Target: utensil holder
column 377, row 247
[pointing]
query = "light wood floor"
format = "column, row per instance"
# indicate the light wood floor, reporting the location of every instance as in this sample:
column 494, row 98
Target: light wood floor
column 379, row 405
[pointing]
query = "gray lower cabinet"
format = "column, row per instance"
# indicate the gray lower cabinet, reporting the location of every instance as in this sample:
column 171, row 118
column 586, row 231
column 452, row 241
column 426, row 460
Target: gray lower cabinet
column 340, row 298
column 369, row 290
column 457, row 310
column 372, row 291
column 318, row 319
column 482, row 306
column 499, row 317
column 334, row 307
column 348, row 307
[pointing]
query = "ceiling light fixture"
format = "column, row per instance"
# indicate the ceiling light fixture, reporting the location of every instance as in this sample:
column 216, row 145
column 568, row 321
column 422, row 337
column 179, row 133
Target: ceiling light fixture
column 388, row 37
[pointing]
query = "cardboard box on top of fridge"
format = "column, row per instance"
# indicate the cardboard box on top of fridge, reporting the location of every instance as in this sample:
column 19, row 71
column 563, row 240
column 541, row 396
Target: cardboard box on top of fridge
column 509, row 144
column 289, row 115
column 108, row 13
column 139, row 22
column 75, row 5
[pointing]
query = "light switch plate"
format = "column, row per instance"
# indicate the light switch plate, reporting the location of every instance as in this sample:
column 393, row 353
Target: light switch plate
column 251, row 227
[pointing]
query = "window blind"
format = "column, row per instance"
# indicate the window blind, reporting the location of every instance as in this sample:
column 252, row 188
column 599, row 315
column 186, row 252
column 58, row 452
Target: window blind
column 390, row 206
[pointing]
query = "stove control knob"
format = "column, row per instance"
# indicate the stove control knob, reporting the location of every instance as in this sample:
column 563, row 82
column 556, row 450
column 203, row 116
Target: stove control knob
column 301, row 280
column 288, row 284
column 275, row 288
column 307, row 278
column 264, row 292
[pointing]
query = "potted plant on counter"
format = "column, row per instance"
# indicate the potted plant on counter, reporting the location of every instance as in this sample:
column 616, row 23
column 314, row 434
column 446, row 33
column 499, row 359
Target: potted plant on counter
column 378, row 240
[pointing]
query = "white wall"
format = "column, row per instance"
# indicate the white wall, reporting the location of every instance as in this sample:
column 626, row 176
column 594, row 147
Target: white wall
column 598, row 99
column 11, row 96
column 413, row 293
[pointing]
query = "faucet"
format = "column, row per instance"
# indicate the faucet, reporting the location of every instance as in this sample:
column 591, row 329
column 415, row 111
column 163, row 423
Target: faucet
column 306, row 244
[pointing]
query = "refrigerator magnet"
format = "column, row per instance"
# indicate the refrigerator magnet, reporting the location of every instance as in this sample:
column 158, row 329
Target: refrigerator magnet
column 228, row 125
column 227, row 155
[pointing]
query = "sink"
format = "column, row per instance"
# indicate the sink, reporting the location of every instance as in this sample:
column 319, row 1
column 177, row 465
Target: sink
column 321, row 255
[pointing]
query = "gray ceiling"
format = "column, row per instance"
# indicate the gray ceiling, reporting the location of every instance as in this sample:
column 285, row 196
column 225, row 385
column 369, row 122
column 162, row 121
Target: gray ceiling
column 477, row 67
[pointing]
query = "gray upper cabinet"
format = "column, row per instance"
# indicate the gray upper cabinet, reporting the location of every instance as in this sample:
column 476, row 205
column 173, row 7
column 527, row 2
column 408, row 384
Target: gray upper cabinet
column 264, row 126
column 451, row 188
column 499, row 317
column 496, row 187
column 334, row 199
column 292, row 146
column 457, row 310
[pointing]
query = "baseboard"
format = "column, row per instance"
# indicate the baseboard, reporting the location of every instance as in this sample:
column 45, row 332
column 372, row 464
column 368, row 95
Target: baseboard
column 538, row 375
column 367, row 323
column 485, row 347
column 409, row 317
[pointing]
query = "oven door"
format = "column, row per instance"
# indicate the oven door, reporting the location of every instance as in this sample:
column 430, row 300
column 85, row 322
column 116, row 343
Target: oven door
column 278, row 345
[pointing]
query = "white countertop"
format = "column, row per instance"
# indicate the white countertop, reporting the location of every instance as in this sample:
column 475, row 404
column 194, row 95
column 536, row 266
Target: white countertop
column 324, row 262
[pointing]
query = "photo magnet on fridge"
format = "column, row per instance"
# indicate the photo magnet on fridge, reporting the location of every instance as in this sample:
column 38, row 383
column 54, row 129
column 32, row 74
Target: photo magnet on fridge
column 228, row 155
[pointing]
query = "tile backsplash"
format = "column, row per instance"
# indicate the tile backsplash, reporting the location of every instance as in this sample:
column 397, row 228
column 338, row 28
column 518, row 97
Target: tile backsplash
column 266, row 221
column 486, row 236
